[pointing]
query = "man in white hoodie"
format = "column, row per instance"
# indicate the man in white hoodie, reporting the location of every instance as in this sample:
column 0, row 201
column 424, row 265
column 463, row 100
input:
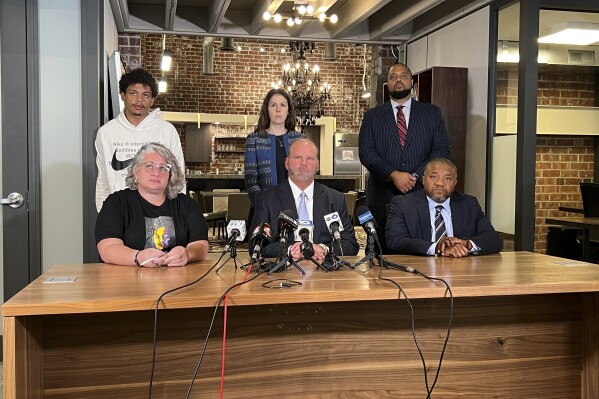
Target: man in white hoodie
column 120, row 139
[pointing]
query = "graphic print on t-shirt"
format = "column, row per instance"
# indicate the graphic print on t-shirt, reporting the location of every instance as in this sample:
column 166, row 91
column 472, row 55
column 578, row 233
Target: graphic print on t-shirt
column 160, row 233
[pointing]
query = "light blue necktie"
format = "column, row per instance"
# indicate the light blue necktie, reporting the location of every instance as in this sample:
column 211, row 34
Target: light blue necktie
column 302, row 210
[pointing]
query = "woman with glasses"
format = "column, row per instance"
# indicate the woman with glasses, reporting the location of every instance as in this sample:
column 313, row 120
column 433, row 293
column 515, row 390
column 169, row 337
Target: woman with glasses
column 151, row 223
column 266, row 148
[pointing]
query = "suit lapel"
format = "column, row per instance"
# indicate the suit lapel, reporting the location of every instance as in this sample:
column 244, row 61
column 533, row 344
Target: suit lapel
column 457, row 216
column 318, row 204
column 424, row 216
column 286, row 197
column 414, row 116
column 390, row 121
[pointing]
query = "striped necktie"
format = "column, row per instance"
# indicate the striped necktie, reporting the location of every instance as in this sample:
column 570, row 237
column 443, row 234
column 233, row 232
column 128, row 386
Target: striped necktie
column 302, row 209
column 440, row 230
column 402, row 126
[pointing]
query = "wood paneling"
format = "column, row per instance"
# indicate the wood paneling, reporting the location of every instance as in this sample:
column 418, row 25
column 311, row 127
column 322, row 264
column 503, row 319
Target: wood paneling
column 524, row 326
column 447, row 88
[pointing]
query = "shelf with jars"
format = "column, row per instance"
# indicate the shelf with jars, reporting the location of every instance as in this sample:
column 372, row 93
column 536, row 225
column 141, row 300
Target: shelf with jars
column 229, row 144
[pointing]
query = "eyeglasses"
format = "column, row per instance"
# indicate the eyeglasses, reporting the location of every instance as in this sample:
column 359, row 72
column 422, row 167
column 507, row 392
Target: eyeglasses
column 163, row 168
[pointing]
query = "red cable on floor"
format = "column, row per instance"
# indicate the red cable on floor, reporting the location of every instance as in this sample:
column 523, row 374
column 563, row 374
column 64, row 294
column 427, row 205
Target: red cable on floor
column 224, row 345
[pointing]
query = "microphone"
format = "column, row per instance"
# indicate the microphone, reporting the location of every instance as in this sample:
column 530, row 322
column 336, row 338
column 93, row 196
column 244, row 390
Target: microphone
column 304, row 224
column 236, row 231
column 334, row 225
column 287, row 224
column 306, row 248
column 261, row 236
column 366, row 220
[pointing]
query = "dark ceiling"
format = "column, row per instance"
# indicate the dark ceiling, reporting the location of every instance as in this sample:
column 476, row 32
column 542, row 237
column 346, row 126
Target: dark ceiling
column 360, row 21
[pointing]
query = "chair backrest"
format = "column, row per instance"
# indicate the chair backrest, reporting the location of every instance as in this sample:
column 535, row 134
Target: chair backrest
column 590, row 199
column 194, row 196
column 239, row 206
column 197, row 184
column 220, row 203
column 350, row 203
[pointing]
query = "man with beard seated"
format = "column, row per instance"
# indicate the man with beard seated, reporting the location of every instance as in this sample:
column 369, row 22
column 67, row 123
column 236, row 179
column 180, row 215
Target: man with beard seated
column 439, row 221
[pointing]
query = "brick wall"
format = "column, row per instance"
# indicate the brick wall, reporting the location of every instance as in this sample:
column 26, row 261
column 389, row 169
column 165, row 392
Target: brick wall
column 130, row 48
column 242, row 78
column 562, row 164
column 563, row 85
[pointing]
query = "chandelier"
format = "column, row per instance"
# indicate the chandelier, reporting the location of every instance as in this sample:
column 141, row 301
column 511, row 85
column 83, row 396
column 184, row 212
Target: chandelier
column 298, row 14
column 303, row 84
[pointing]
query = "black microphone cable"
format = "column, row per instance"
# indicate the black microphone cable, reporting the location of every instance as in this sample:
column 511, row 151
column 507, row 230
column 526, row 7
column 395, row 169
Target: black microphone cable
column 156, row 319
column 429, row 390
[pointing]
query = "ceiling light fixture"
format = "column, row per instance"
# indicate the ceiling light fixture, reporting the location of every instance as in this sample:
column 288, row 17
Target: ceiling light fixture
column 162, row 85
column 165, row 64
column 578, row 33
column 300, row 13
column 308, row 95
column 365, row 93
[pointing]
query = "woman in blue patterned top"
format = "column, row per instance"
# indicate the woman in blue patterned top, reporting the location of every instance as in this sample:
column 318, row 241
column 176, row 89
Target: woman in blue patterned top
column 266, row 148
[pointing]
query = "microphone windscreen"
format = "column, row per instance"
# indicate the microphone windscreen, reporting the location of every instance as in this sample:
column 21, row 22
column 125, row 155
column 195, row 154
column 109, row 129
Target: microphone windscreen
column 333, row 218
column 304, row 225
column 237, row 225
column 287, row 220
column 364, row 215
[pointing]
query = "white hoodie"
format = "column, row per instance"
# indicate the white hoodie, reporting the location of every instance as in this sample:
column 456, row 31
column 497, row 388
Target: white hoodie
column 118, row 141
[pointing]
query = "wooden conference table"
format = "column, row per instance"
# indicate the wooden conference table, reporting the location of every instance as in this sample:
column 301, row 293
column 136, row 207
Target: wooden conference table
column 525, row 326
column 580, row 222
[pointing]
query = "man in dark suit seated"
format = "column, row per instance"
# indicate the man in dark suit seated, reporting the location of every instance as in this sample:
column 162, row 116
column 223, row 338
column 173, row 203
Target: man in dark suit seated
column 307, row 199
column 396, row 140
column 439, row 221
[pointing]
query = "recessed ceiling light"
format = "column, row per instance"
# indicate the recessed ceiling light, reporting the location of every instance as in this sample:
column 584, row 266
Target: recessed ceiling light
column 579, row 33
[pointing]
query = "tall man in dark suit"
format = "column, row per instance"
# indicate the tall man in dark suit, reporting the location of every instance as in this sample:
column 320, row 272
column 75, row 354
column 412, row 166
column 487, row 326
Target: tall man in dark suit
column 440, row 221
column 307, row 199
column 396, row 143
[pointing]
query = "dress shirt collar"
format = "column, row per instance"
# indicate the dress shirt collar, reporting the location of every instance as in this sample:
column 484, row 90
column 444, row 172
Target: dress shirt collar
column 297, row 191
column 407, row 104
column 432, row 205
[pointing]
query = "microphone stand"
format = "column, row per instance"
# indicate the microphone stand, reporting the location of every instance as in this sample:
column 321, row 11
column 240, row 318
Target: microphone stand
column 284, row 262
column 308, row 252
column 233, row 251
column 258, row 259
column 370, row 253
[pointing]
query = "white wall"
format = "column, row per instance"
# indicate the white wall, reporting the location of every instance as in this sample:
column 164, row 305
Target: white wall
column 60, row 132
column 464, row 43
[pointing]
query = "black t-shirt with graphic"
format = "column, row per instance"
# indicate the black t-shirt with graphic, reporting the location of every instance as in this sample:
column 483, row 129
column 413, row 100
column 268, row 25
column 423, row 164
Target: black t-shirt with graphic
column 128, row 216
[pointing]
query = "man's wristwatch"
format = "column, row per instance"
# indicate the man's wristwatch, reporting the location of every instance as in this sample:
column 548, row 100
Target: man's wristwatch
column 324, row 248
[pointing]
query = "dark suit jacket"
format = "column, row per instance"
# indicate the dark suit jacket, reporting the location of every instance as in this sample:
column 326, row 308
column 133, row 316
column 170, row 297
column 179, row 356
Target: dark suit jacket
column 409, row 224
column 273, row 201
column 381, row 153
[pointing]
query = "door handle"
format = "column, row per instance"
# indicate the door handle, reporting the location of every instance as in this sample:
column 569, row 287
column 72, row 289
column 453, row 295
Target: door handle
column 14, row 200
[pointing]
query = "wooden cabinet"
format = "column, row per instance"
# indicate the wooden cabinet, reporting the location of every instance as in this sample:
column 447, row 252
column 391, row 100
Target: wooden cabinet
column 198, row 142
column 447, row 88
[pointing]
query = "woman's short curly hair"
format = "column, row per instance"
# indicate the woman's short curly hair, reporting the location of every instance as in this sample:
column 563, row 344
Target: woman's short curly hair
column 176, row 180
